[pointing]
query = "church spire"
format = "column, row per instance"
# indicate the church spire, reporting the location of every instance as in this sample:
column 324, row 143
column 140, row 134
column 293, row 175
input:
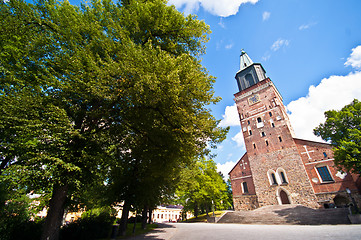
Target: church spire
column 245, row 60
column 250, row 73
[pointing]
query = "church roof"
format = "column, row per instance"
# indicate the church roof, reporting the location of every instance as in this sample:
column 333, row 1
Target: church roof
column 245, row 61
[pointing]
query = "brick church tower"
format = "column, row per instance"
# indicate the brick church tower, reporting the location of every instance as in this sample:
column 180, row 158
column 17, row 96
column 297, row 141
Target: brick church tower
column 278, row 168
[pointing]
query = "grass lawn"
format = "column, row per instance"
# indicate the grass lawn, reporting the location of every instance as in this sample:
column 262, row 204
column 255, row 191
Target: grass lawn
column 138, row 229
column 203, row 217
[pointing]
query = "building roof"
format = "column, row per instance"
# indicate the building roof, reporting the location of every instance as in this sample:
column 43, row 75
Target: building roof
column 245, row 60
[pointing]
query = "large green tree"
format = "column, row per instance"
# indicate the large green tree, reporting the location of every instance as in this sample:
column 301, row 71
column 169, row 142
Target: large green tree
column 201, row 187
column 102, row 92
column 343, row 130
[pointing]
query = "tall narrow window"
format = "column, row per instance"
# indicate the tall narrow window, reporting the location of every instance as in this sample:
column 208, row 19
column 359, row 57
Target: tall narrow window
column 274, row 181
column 283, row 177
column 280, row 139
column 266, row 143
column 259, row 120
column 324, row 174
column 263, row 134
column 270, row 114
column 254, row 145
column 324, row 154
column 244, row 187
column 250, row 132
column 272, row 123
column 248, row 122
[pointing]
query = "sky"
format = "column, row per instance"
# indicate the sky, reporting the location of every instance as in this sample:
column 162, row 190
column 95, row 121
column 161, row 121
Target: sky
column 311, row 50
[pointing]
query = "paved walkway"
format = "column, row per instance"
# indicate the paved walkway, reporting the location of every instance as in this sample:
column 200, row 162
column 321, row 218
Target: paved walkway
column 163, row 232
column 209, row 231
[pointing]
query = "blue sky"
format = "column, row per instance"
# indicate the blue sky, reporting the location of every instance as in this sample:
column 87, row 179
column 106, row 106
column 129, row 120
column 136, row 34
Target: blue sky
column 311, row 50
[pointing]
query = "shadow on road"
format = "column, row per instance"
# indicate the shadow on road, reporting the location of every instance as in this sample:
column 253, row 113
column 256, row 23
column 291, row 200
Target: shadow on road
column 307, row 216
column 163, row 231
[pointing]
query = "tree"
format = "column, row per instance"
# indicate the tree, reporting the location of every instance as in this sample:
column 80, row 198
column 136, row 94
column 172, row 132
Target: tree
column 343, row 130
column 59, row 98
column 201, row 186
column 89, row 95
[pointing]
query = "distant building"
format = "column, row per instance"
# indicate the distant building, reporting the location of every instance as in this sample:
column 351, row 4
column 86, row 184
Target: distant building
column 169, row 213
column 277, row 167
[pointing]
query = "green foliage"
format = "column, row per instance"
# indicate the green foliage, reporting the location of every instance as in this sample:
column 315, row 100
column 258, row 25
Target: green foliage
column 93, row 224
column 203, row 217
column 343, row 129
column 103, row 93
column 17, row 219
column 201, row 185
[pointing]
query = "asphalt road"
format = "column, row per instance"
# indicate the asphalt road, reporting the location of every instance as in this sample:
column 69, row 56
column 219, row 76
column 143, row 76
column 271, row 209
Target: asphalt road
column 209, row 231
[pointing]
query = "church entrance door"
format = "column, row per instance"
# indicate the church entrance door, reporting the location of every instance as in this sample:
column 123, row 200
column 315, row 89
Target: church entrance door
column 284, row 197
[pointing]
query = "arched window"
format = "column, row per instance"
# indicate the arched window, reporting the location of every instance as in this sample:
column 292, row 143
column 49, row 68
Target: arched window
column 274, row 181
column 249, row 130
column 272, row 123
column 282, row 176
column 272, row 177
column 249, row 80
column 259, row 122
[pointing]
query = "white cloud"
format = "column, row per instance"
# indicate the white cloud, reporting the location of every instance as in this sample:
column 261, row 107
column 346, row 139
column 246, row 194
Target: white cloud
column 279, row 43
column 230, row 117
column 238, row 138
column 223, row 8
column 266, row 15
column 221, row 23
column 228, row 46
column 225, row 168
column 306, row 26
column 355, row 58
column 334, row 92
column 266, row 56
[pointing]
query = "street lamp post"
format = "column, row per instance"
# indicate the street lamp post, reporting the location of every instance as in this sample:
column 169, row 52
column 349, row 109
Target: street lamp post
column 213, row 207
column 353, row 200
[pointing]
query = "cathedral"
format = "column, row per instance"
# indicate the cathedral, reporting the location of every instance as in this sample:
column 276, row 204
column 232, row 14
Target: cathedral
column 279, row 168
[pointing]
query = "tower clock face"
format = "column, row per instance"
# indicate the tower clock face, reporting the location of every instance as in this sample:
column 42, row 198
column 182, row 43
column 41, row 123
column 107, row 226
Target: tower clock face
column 254, row 99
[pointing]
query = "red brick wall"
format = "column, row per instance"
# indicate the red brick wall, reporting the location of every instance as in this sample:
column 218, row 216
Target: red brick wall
column 314, row 158
column 240, row 173
column 271, row 145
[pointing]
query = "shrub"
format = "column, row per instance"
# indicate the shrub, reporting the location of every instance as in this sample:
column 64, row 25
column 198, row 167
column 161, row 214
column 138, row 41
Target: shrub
column 93, row 224
column 15, row 221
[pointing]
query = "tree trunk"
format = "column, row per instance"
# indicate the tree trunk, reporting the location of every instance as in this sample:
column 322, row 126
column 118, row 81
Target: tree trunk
column 135, row 222
column 206, row 206
column 124, row 219
column 150, row 219
column 55, row 214
column 144, row 217
column 196, row 210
